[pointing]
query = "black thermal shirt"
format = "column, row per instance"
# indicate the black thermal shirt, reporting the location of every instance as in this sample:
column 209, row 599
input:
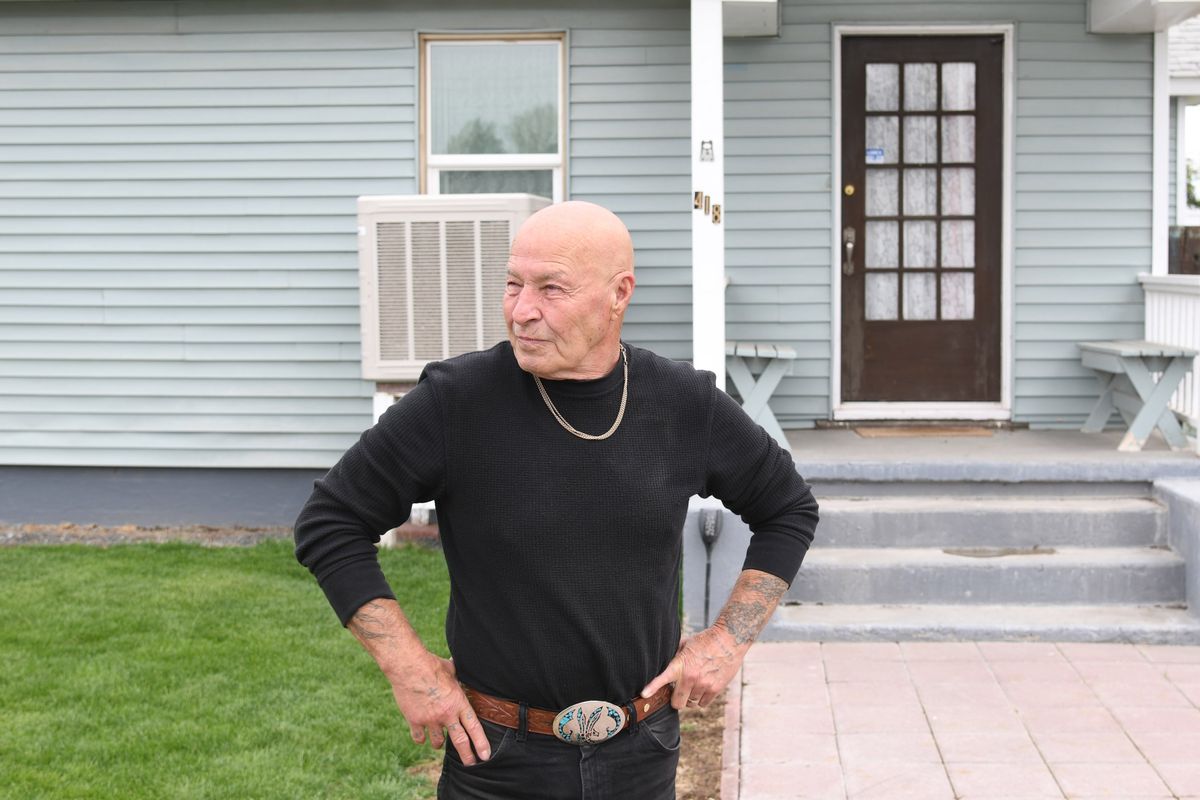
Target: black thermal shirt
column 563, row 553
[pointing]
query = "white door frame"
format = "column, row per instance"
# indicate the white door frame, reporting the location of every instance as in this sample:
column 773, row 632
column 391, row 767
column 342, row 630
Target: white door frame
column 973, row 411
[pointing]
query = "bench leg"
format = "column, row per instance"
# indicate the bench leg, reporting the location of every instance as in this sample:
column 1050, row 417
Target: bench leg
column 1104, row 406
column 1155, row 397
column 755, row 394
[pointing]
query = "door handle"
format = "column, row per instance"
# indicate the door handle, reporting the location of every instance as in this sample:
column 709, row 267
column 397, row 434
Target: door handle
column 848, row 237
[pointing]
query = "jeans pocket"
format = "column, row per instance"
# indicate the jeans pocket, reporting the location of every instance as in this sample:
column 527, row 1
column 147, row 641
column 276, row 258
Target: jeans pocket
column 661, row 729
column 499, row 738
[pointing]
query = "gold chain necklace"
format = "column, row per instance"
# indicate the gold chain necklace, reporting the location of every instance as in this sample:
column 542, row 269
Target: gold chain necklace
column 581, row 434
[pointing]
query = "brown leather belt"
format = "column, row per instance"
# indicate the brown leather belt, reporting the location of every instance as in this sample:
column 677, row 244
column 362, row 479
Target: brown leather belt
column 538, row 720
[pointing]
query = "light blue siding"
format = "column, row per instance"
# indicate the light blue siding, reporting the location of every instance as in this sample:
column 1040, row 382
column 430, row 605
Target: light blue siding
column 178, row 279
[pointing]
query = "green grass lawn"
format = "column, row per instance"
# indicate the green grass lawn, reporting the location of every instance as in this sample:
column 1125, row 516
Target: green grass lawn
column 177, row 671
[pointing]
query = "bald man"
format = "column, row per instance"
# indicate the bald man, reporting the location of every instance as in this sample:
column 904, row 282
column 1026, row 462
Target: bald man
column 561, row 462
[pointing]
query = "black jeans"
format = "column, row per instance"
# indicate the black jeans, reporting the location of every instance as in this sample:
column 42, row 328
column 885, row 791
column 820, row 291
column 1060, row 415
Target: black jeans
column 637, row 764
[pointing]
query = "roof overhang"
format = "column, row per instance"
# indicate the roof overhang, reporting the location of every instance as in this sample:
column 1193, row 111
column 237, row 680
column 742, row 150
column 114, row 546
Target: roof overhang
column 742, row 18
column 1138, row 16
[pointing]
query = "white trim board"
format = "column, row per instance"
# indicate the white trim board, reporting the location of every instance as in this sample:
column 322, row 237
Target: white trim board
column 924, row 411
column 1003, row 409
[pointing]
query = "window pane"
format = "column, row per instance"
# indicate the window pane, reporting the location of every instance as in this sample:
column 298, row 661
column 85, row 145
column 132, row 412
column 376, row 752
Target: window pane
column 882, row 191
column 958, row 87
column 883, row 87
column 883, row 245
column 958, row 139
column 920, row 87
column 883, row 139
column 920, row 140
column 958, row 295
column 533, row 181
column 920, row 192
column 958, row 191
column 919, row 296
column 882, row 295
column 493, row 97
column 958, row 243
column 920, row 244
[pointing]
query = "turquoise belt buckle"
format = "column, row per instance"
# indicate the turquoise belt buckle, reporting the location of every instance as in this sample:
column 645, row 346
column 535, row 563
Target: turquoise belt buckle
column 589, row 722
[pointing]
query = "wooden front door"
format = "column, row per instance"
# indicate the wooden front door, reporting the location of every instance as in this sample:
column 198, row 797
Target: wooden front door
column 922, row 139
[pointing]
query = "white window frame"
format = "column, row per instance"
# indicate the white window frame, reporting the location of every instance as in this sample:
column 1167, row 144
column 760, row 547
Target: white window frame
column 1184, row 215
column 432, row 165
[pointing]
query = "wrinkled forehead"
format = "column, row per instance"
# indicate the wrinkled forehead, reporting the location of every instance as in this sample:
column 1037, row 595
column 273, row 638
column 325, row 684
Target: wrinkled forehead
column 563, row 257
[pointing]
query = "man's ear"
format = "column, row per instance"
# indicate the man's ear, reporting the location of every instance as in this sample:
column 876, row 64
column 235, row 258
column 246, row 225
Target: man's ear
column 623, row 292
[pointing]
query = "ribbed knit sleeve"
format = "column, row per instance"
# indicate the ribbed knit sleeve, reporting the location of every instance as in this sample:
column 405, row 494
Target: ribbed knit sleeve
column 398, row 462
column 756, row 479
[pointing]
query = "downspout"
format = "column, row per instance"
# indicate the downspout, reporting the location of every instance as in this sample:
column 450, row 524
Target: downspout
column 708, row 187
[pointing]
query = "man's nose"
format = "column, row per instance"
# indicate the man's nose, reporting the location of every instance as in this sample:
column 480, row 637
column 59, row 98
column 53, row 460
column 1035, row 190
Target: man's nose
column 525, row 306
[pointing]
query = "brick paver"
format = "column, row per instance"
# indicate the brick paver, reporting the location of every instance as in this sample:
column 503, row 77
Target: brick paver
column 960, row 720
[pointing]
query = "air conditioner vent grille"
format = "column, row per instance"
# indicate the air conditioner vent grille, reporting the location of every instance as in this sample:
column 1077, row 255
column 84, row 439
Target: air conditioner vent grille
column 494, row 239
column 393, row 289
column 432, row 274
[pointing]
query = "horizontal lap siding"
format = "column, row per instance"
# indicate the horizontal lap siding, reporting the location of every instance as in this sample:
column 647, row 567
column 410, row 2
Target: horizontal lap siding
column 1082, row 207
column 778, row 164
column 178, row 270
column 629, row 133
column 1081, row 227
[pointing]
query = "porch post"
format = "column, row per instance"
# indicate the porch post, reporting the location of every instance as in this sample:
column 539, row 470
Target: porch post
column 708, row 185
column 1160, row 158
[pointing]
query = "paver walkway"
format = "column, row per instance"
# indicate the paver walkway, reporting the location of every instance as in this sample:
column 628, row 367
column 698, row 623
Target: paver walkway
column 966, row 720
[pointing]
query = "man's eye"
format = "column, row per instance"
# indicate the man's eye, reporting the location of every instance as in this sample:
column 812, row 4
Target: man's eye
column 552, row 287
column 512, row 286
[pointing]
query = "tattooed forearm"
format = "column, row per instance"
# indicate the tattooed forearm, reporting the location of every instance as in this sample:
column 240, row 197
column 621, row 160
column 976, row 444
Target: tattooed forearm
column 750, row 605
column 369, row 623
column 743, row 620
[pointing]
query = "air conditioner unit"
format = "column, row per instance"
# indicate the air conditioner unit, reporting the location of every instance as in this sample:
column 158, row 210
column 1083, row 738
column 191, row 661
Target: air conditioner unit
column 431, row 276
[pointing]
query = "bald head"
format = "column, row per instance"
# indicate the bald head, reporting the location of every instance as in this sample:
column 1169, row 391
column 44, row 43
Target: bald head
column 589, row 235
column 570, row 279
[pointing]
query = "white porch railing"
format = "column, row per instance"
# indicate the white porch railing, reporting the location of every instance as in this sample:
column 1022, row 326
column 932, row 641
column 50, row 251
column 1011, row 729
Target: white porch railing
column 1173, row 317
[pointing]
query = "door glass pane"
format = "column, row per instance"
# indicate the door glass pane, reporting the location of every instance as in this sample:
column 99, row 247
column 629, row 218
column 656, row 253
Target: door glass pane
column 883, row 87
column 920, row 140
column 882, row 295
column 958, row 139
column 882, row 192
column 494, row 97
column 920, row 192
column 958, row 295
column 958, row 243
column 920, row 244
column 958, row 87
column 919, row 296
column 958, row 190
column 883, row 245
column 533, row 181
column 883, row 139
column 920, row 87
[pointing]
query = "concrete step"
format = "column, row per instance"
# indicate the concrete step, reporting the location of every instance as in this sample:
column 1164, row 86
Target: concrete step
column 1061, row 623
column 1138, row 575
column 961, row 486
column 998, row 521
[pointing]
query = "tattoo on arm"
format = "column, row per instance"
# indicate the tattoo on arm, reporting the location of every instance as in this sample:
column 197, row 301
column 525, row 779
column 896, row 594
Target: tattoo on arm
column 748, row 610
column 368, row 623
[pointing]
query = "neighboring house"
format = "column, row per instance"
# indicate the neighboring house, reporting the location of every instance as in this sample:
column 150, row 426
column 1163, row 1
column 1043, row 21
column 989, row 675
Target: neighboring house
column 178, row 272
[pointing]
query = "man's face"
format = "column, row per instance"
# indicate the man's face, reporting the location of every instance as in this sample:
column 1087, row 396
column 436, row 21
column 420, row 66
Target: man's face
column 561, row 315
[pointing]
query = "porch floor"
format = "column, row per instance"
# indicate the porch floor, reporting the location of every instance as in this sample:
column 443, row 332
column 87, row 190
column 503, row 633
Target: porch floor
column 1008, row 456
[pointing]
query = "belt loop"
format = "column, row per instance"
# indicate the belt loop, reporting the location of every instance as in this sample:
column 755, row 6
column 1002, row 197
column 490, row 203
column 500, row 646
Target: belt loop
column 631, row 710
column 522, row 721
